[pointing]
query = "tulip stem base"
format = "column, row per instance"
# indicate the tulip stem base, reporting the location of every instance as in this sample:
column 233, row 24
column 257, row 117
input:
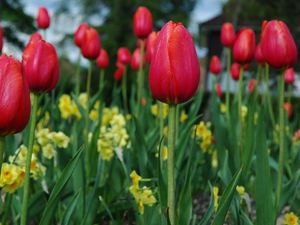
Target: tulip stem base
column 101, row 82
column 86, row 130
column 140, row 81
column 268, row 95
column 124, row 89
column 28, row 160
column 240, row 101
column 161, row 119
column 171, row 151
column 227, row 81
column 2, row 147
column 281, row 142
column 77, row 88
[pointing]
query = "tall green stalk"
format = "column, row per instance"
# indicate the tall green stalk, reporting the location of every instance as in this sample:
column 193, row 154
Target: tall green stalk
column 290, row 91
column 2, row 147
column 268, row 95
column 161, row 119
column 281, row 141
column 140, row 81
column 240, row 101
column 28, row 160
column 171, row 165
column 124, row 89
column 228, row 80
column 101, row 81
column 77, row 87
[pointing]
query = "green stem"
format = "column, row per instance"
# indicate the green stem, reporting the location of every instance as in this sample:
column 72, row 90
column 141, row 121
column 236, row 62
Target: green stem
column 228, row 80
column 161, row 119
column 240, row 101
column 77, row 88
column 290, row 91
column 268, row 96
column 28, row 159
column 140, row 78
column 8, row 200
column 281, row 141
column 124, row 89
column 2, row 147
column 171, row 151
column 101, row 81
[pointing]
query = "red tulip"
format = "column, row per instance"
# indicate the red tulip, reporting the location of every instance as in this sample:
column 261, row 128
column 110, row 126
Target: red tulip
column 289, row 76
column 227, row 34
column 150, row 45
column 246, row 66
column 34, row 38
column 136, row 59
column 43, row 18
column 15, row 98
column 103, row 59
column 252, row 85
column 215, row 66
column 142, row 22
column 91, row 44
column 278, row 45
column 40, row 66
column 218, row 88
column 124, row 56
column 235, row 71
column 119, row 73
column 79, row 34
column 288, row 108
column 1, row 39
column 174, row 70
column 244, row 46
column 259, row 57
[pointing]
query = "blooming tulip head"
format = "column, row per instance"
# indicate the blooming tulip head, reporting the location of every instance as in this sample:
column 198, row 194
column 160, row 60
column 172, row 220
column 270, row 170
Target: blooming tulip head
column 142, row 22
column 79, row 34
column 150, row 45
column 119, row 73
column 235, row 71
column 289, row 76
column 15, row 98
column 244, row 46
column 40, row 66
column 43, row 18
column 103, row 59
column 278, row 45
column 259, row 57
column 34, row 38
column 174, row 70
column 218, row 89
column 227, row 34
column 136, row 59
column 91, row 44
column 1, row 39
column 215, row 66
column 124, row 56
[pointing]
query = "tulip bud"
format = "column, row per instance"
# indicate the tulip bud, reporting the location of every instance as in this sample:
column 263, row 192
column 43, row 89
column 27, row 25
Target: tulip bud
column 215, row 66
column 218, row 89
column 150, row 45
column 79, row 34
column 259, row 57
column 43, row 18
column 278, row 45
column 288, row 108
column 244, row 46
column 136, row 59
column 40, row 66
column 235, row 71
column 1, row 39
column 142, row 22
column 15, row 98
column 119, row 73
column 174, row 70
column 91, row 44
column 103, row 59
column 124, row 56
column 252, row 85
column 34, row 38
column 227, row 34
column 289, row 76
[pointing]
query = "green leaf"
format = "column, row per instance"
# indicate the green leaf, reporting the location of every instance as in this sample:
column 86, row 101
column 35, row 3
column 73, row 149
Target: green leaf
column 210, row 210
column 54, row 196
column 226, row 198
column 70, row 209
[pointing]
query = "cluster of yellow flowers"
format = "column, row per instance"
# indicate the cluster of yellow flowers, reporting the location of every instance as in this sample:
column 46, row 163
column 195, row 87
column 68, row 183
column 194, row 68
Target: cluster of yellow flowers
column 291, row 219
column 12, row 177
column 165, row 110
column 143, row 196
column 203, row 135
column 49, row 141
column 113, row 134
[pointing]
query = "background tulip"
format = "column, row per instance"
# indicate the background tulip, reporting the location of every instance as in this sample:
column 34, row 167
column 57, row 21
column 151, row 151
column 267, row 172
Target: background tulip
column 119, row 73
column 79, row 34
column 150, row 45
column 227, row 34
column 124, row 55
column 1, row 39
column 244, row 46
column 15, row 99
column 34, row 38
column 235, row 71
column 259, row 57
column 136, row 59
column 289, row 76
column 43, row 18
column 215, row 66
column 174, row 70
column 40, row 66
column 103, row 59
column 288, row 108
column 278, row 45
column 142, row 22
column 91, row 44
column 252, row 85
column 218, row 89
